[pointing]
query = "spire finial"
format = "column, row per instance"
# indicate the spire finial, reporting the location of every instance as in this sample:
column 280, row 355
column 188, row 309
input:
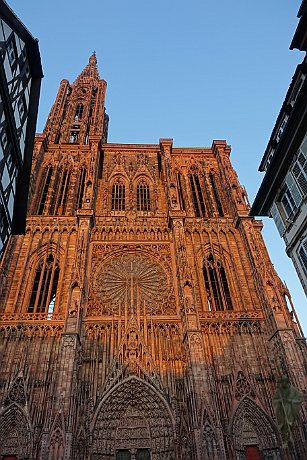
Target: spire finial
column 93, row 59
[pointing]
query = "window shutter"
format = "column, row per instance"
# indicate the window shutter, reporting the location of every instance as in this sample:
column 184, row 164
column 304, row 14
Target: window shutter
column 295, row 193
column 277, row 219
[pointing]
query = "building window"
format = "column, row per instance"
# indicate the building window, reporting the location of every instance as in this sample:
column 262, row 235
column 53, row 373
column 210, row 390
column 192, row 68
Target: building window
column 216, row 284
column 299, row 169
column 11, row 50
column 44, row 287
column 44, row 190
column 81, row 185
column 73, row 139
column 79, row 112
column 118, row 197
column 61, row 200
column 302, row 253
column 143, row 197
column 274, row 211
column 290, row 197
column 197, row 196
column 180, row 190
column 3, row 137
column 216, row 196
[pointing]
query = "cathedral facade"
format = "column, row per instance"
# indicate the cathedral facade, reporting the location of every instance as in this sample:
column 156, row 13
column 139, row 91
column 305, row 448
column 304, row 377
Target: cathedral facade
column 141, row 317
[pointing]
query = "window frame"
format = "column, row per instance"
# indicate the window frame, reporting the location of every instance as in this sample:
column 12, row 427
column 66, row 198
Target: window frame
column 302, row 254
column 45, row 281
column 118, row 195
column 143, row 200
column 217, row 284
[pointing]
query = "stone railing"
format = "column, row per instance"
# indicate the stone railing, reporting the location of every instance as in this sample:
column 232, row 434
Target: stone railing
column 29, row 317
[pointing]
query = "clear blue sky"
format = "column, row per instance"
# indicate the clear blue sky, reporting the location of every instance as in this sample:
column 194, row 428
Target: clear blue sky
column 194, row 71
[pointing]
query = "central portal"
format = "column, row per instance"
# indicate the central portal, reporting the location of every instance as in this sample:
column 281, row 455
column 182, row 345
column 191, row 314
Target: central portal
column 133, row 423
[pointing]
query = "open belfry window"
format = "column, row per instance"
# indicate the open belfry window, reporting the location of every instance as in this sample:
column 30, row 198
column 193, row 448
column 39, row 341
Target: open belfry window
column 216, row 195
column 80, row 189
column 143, row 196
column 197, row 196
column 73, row 138
column 45, row 184
column 61, row 199
column 79, row 112
column 180, row 190
column 44, row 286
column 217, row 288
column 118, row 196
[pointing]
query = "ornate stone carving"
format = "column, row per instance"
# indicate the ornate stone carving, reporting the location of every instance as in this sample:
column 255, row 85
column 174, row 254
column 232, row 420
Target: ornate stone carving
column 17, row 392
column 134, row 414
column 132, row 280
column 243, row 387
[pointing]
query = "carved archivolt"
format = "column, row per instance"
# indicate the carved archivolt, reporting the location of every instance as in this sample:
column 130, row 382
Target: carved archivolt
column 133, row 415
column 15, row 433
column 252, row 426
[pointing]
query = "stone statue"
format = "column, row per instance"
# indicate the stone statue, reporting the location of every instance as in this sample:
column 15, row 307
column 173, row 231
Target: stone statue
column 287, row 402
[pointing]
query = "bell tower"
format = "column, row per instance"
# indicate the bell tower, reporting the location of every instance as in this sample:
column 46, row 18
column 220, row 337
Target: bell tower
column 78, row 111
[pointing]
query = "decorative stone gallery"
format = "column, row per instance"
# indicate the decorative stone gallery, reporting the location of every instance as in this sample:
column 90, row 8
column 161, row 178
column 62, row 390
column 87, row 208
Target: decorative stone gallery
column 141, row 317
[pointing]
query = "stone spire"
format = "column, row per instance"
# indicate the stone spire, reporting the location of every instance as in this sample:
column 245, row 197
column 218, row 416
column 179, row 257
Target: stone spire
column 90, row 72
column 78, row 111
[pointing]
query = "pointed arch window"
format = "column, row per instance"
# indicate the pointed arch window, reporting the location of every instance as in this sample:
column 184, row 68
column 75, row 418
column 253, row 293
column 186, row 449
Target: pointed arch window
column 79, row 112
column 118, row 196
column 197, row 196
column 216, row 283
column 81, row 186
column 44, row 286
column 143, row 196
column 61, row 198
column 181, row 197
column 45, row 184
column 216, row 195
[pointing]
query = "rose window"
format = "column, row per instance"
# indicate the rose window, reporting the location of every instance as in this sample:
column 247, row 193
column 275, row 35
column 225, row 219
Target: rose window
column 131, row 279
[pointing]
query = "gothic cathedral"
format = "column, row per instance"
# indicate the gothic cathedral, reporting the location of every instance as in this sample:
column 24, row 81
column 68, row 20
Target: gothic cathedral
column 141, row 317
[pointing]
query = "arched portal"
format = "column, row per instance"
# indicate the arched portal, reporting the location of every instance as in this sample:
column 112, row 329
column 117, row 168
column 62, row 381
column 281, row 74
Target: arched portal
column 133, row 418
column 254, row 433
column 15, row 433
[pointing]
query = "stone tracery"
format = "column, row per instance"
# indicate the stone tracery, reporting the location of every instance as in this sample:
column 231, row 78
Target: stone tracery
column 132, row 281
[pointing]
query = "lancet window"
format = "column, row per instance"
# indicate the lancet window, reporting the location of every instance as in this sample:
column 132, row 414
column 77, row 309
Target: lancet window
column 216, row 195
column 181, row 197
column 81, row 186
column 44, row 286
column 45, row 184
column 60, row 200
column 216, row 283
column 197, row 196
column 143, row 196
column 79, row 112
column 118, row 196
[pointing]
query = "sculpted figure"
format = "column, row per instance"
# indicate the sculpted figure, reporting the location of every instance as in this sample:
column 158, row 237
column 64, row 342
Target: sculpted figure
column 287, row 402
